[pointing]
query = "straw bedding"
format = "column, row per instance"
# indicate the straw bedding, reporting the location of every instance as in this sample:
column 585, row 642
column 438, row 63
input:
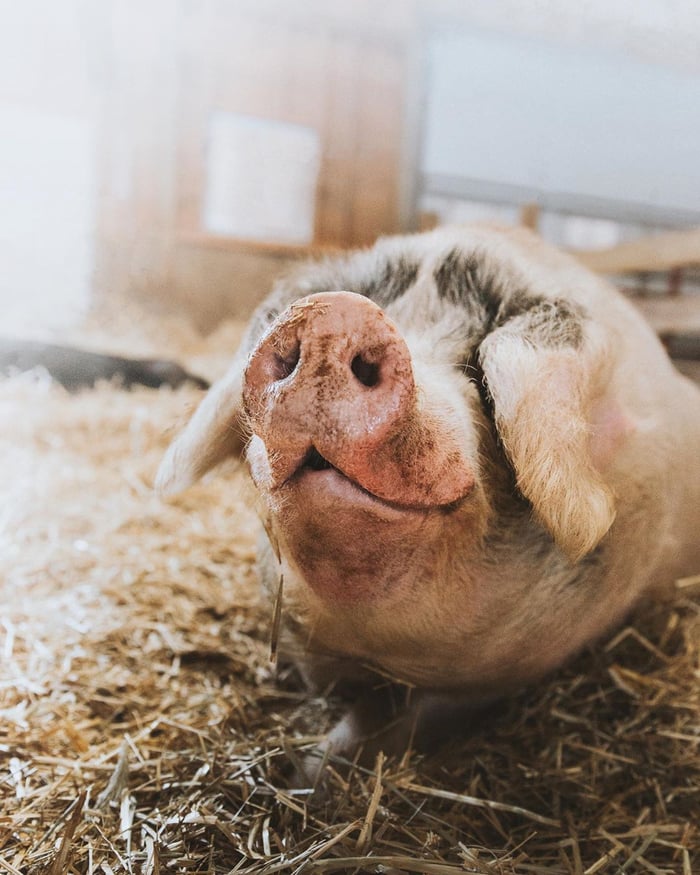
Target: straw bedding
column 143, row 728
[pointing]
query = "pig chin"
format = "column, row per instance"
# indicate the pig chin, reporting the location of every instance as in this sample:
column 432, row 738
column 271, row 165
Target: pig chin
column 347, row 545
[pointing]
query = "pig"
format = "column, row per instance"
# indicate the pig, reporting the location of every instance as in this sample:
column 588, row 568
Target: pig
column 472, row 458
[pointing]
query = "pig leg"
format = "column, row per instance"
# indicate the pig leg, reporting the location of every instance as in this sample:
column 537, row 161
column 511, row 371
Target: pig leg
column 393, row 719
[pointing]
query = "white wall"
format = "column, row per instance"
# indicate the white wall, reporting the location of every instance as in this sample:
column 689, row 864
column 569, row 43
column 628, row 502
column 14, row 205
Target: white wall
column 577, row 121
column 48, row 164
column 47, row 192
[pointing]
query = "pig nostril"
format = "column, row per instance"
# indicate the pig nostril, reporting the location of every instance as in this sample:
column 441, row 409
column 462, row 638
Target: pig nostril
column 284, row 365
column 366, row 372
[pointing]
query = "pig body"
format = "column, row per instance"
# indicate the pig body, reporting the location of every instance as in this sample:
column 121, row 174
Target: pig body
column 469, row 467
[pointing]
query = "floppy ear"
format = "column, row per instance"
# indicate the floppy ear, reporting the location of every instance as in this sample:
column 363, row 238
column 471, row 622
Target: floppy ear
column 556, row 426
column 218, row 430
column 215, row 432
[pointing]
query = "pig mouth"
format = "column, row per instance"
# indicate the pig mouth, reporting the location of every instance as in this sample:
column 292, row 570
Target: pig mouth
column 314, row 468
column 314, row 461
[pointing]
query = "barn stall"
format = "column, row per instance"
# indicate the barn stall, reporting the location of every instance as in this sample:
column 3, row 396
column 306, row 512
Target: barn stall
column 145, row 727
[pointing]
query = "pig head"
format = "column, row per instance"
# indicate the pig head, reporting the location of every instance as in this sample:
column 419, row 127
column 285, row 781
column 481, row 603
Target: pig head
column 343, row 444
column 472, row 457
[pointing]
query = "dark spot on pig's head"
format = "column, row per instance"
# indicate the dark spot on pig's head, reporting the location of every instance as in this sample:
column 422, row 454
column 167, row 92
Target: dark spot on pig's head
column 491, row 297
column 517, row 303
column 466, row 280
column 554, row 323
column 381, row 277
column 390, row 282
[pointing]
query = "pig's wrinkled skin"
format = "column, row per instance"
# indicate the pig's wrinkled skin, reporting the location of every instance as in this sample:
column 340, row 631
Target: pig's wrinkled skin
column 465, row 481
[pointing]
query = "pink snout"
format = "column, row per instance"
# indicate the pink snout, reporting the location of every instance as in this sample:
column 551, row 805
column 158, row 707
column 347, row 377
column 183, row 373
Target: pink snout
column 331, row 385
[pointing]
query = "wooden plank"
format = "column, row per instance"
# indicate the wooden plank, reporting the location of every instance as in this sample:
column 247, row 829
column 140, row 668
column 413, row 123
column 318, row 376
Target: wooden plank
column 379, row 120
column 530, row 215
column 137, row 134
column 205, row 240
column 339, row 135
column 682, row 344
column 646, row 255
column 670, row 315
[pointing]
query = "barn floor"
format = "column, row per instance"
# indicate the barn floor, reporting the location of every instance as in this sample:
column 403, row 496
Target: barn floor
column 142, row 728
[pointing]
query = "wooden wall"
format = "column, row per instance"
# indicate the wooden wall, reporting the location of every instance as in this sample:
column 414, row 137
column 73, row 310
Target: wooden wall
column 165, row 66
column 142, row 79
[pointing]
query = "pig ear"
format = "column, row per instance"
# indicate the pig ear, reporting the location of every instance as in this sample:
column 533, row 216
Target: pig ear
column 218, row 428
column 215, row 432
column 546, row 395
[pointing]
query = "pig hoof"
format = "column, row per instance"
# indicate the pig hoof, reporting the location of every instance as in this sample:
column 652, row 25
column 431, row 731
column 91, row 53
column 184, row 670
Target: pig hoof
column 371, row 726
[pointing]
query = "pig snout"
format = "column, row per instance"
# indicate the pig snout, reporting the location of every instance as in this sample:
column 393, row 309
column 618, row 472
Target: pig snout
column 331, row 386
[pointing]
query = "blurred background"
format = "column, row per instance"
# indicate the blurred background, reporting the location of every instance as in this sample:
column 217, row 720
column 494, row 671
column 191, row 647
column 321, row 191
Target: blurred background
column 179, row 154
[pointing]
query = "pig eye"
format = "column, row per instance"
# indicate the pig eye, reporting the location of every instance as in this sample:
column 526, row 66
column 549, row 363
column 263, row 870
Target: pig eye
column 366, row 372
